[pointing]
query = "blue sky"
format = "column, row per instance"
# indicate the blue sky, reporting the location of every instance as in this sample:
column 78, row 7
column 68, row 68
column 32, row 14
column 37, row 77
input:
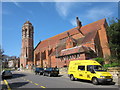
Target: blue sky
column 48, row 19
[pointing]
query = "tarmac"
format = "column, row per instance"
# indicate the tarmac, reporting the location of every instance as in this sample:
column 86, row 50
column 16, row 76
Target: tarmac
column 63, row 72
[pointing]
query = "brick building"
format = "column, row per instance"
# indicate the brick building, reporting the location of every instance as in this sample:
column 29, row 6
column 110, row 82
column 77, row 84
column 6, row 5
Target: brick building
column 26, row 58
column 88, row 42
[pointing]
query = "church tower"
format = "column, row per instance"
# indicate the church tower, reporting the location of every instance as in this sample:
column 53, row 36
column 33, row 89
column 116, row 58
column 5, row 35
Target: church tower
column 26, row 58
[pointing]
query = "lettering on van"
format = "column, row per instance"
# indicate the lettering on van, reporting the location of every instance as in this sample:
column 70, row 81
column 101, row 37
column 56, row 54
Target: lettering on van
column 80, row 75
column 77, row 64
column 88, row 76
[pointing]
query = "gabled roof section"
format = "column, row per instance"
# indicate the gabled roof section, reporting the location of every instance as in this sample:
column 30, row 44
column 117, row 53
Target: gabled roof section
column 89, row 36
column 58, row 50
column 92, row 27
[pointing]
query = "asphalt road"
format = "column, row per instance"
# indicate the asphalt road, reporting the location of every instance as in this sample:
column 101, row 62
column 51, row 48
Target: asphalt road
column 30, row 80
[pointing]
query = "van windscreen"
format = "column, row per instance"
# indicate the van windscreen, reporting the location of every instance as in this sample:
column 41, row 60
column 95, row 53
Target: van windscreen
column 96, row 68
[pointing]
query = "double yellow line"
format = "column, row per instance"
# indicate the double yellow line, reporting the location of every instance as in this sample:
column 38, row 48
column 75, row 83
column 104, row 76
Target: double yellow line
column 33, row 82
column 7, row 84
column 8, row 87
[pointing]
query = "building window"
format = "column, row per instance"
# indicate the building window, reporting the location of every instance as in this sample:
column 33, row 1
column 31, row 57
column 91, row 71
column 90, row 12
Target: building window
column 73, row 56
column 67, row 57
column 25, row 32
column 78, row 55
column 65, row 61
column 43, row 55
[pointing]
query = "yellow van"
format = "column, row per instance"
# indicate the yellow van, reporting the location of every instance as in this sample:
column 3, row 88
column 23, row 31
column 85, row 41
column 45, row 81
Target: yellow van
column 88, row 70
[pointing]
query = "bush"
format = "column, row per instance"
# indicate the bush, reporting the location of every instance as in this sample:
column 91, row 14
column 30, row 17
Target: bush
column 114, row 64
column 100, row 60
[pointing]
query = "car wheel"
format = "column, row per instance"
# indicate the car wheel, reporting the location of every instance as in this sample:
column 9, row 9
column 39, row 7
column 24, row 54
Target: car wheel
column 95, row 81
column 3, row 77
column 72, row 78
column 56, row 75
column 43, row 74
column 49, row 75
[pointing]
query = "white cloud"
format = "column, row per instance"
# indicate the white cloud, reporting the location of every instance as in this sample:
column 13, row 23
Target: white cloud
column 93, row 14
column 73, row 22
column 63, row 8
column 16, row 3
column 96, row 13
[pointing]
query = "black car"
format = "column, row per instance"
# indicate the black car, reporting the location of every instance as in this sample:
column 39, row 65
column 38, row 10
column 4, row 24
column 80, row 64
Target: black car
column 39, row 71
column 51, row 72
column 6, row 73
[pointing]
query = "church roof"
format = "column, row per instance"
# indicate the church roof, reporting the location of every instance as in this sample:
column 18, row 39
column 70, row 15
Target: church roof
column 89, row 37
column 77, row 49
column 88, row 30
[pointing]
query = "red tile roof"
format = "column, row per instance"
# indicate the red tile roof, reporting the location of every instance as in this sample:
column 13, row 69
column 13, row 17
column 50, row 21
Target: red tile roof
column 92, row 27
column 89, row 36
column 77, row 49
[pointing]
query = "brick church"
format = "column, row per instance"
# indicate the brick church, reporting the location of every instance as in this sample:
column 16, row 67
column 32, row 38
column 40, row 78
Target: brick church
column 79, row 43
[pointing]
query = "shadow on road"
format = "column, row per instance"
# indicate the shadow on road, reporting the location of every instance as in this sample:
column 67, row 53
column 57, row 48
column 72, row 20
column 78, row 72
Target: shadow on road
column 4, row 87
column 84, row 81
column 59, row 75
column 18, row 75
column 87, row 81
column 17, row 84
column 15, row 76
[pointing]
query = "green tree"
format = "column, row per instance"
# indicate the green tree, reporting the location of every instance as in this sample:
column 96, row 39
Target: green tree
column 100, row 60
column 113, row 32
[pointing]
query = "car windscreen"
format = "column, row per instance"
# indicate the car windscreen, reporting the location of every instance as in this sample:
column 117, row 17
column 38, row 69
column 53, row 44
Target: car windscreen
column 39, row 69
column 7, row 71
column 54, row 69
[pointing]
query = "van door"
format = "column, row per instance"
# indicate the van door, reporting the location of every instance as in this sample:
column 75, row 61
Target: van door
column 88, row 74
column 81, row 72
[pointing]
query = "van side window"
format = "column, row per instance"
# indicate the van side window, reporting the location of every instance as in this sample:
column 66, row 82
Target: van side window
column 81, row 67
column 89, row 67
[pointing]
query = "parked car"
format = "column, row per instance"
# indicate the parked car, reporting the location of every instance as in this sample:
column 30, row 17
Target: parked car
column 51, row 72
column 39, row 71
column 7, row 73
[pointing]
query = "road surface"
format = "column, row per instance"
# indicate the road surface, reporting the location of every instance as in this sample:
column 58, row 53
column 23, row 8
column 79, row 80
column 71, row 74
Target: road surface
column 30, row 80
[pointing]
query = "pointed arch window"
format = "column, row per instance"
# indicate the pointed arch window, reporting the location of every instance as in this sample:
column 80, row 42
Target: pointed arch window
column 25, row 32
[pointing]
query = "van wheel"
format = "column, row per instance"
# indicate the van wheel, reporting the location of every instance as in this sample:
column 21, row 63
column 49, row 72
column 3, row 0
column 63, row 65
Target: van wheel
column 72, row 78
column 95, row 81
